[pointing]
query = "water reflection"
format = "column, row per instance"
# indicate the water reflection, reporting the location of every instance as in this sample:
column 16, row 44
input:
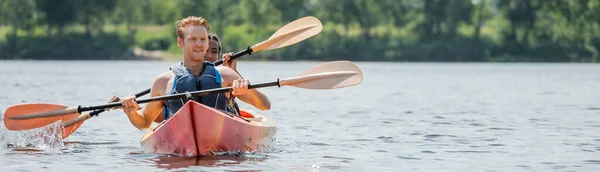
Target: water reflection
column 220, row 160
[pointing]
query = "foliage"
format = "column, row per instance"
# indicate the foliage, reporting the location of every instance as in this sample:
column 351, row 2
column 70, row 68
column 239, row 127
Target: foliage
column 361, row 30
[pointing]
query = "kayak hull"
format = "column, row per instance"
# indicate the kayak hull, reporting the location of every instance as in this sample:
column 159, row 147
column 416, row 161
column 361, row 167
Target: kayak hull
column 200, row 130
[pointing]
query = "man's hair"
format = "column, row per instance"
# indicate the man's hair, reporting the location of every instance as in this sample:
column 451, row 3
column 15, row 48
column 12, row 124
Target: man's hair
column 191, row 21
column 213, row 36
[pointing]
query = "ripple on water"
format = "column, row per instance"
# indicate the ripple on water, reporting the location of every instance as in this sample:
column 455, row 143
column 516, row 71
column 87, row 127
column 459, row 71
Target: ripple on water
column 462, row 141
column 78, row 151
column 317, row 131
column 387, row 139
column 336, row 123
column 593, row 108
column 587, row 150
column 585, row 144
column 442, row 123
column 408, row 158
column 427, row 151
column 122, row 147
column 333, row 157
column 490, row 139
column 591, row 161
column 538, row 120
column 331, row 166
column 391, row 119
column 318, row 144
column 556, row 167
column 91, row 143
column 468, row 151
column 433, row 136
column 415, row 134
column 300, row 127
column 362, row 140
column 495, row 128
column 477, row 124
column 358, row 112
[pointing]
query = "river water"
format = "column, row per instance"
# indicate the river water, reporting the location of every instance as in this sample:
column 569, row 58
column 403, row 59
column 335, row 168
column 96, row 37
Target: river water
column 402, row 117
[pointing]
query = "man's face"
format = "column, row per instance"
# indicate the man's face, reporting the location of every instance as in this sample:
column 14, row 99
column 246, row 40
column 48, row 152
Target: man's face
column 195, row 42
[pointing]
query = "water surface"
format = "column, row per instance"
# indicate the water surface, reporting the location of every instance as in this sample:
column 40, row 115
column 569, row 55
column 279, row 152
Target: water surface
column 403, row 117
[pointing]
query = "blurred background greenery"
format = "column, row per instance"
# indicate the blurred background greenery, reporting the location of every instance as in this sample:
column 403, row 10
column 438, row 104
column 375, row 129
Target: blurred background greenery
column 358, row 30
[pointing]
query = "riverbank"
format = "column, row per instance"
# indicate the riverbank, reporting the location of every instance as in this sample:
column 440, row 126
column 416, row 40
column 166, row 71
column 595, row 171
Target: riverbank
column 157, row 43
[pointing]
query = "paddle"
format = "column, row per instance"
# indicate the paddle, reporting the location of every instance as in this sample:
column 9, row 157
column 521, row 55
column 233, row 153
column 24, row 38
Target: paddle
column 71, row 121
column 86, row 116
column 293, row 32
column 338, row 74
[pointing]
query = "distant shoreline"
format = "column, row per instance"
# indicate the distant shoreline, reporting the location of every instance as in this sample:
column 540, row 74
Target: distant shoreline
column 167, row 59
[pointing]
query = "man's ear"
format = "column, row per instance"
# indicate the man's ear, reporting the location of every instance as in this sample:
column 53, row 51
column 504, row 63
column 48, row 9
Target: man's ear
column 179, row 42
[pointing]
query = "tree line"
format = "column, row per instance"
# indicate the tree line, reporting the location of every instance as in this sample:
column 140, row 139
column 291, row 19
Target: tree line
column 360, row 30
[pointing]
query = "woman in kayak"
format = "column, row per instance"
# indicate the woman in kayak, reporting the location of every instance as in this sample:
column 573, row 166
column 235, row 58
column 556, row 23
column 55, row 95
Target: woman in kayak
column 187, row 76
column 215, row 51
column 211, row 56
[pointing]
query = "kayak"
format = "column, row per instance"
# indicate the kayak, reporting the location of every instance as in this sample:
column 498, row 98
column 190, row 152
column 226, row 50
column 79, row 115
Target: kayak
column 197, row 129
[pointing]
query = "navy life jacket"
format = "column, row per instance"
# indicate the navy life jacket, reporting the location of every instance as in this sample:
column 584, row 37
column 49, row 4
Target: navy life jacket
column 184, row 81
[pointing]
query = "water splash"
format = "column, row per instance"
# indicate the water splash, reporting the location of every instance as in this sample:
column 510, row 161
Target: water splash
column 45, row 138
column 262, row 149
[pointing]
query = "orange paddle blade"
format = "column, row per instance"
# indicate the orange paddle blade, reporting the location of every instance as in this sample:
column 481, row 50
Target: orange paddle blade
column 37, row 122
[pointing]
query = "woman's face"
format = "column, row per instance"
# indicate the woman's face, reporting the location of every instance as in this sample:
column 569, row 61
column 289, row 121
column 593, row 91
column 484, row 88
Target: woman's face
column 213, row 51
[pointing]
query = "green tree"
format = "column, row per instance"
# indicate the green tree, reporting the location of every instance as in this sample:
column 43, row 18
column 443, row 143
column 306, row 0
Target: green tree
column 93, row 14
column 57, row 14
column 18, row 14
column 130, row 13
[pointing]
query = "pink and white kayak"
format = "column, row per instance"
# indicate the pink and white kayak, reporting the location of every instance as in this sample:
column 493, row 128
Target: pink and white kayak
column 197, row 129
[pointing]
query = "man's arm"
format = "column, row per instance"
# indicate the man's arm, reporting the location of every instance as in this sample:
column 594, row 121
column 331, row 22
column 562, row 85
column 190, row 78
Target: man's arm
column 142, row 119
column 253, row 96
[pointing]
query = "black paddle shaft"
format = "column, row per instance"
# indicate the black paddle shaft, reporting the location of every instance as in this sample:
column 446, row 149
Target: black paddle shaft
column 178, row 96
column 98, row 111
column 236, row 55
